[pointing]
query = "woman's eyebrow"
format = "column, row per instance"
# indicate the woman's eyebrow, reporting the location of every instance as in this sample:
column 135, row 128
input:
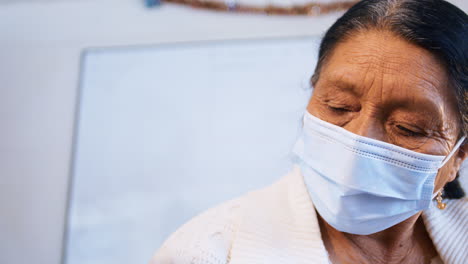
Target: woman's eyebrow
column 419, row 104
column 423, row 107
column 343, row 85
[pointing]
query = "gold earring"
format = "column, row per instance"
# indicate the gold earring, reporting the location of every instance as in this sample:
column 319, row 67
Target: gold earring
column 440, row 204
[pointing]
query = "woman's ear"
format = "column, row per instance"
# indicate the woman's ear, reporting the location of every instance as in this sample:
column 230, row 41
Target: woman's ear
column 461, row 155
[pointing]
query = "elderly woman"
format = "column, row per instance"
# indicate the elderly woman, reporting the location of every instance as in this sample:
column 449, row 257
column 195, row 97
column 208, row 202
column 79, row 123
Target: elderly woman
column 381, row 147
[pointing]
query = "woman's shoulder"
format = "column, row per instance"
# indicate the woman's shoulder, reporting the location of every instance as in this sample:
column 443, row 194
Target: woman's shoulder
column 209, row 237
column 206, row 238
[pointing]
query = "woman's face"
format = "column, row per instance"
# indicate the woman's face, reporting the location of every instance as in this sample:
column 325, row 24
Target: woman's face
column 380, row 86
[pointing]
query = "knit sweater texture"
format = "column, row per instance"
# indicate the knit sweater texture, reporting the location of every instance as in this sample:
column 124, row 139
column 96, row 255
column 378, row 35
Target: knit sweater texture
column 278, row 224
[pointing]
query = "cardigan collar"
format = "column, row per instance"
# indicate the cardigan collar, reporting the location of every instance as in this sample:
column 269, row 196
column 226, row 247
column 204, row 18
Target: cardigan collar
column 280, row 217
column 448, row 230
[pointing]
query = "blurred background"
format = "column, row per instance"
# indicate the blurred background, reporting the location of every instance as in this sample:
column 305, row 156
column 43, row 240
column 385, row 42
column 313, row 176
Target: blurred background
column 122, row 119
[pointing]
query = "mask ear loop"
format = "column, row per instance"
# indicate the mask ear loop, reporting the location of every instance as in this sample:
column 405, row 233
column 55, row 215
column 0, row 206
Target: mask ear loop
column 460, row 141
column 434, row 195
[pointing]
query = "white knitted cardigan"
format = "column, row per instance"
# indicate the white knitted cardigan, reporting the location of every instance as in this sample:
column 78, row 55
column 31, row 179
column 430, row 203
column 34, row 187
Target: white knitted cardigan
column 278, row 224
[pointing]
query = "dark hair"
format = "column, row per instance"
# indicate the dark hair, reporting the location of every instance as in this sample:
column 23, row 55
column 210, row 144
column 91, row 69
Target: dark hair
column 434, row 25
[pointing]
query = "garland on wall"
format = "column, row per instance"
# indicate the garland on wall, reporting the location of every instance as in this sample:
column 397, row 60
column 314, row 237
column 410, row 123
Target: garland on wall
column 307, row 9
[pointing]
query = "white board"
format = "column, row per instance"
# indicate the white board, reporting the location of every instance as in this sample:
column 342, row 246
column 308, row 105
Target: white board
column 165, row 132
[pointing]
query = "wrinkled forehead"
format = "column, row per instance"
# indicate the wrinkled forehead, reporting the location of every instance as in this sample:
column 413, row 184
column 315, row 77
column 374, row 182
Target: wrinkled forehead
column 380, row 55
column 381, row 64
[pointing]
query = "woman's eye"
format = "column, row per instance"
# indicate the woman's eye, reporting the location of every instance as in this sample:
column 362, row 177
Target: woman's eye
column 338, row 109
column 409, row 132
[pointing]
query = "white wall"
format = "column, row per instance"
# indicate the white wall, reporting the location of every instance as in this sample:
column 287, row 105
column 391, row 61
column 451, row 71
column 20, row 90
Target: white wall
column 40, row 50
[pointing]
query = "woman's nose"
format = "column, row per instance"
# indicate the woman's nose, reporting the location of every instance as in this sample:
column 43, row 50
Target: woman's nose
column 367, row 126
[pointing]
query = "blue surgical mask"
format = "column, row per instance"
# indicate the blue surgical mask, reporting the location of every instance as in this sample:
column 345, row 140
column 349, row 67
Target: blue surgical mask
column 361, row 185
